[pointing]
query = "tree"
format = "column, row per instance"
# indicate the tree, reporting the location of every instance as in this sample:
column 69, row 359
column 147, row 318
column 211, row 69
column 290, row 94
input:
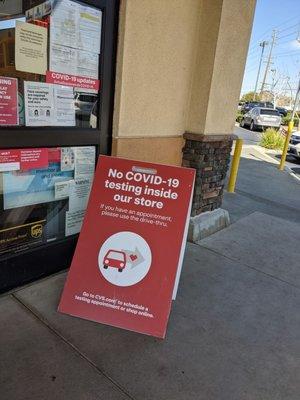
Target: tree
column 250, row 96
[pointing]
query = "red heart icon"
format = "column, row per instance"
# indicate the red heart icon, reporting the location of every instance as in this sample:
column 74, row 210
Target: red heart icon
column 133, row 257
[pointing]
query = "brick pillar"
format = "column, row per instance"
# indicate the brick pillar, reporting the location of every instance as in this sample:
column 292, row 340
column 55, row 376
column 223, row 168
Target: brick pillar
column 210, row 156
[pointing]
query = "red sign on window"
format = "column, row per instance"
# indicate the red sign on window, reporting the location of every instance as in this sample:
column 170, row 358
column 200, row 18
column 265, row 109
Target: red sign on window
column 8, row 101
column 129, row 252
column 33, row 158
column 23, row 159
column 82, row 82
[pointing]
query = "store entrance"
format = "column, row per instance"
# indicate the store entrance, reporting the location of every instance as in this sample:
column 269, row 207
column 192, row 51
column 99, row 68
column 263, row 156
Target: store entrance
column 57, row 62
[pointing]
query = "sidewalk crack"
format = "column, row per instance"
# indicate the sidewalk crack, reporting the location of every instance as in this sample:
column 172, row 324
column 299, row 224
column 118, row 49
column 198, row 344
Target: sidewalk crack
column 43, row 321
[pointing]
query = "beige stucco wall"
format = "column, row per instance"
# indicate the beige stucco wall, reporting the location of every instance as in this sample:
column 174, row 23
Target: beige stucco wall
column 155, row 56
column 179, row 68
column 219, row 66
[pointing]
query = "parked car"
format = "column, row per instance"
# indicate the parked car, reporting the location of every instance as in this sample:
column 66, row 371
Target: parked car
column 294, row 145
column 84, row 103
column 251, row 104
column 94, row 116
column 282, row 111
column 258, row 118
column 241, row 105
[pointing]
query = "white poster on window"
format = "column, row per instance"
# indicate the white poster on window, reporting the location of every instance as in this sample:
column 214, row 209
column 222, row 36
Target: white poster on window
column 48, row 105
column 74, row 221
column 79, row 192
column 67, row 60
column 39, row 104
column 63, row 59
column 61, row 190
column 84, row 161
column 67, row 158
column 64, row 105
column 89, row 32
column 75, row 25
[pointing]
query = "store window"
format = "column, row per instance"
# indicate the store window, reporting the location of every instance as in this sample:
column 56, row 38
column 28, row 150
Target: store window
column 49, row 61
column 44, row 194
column 57, row 69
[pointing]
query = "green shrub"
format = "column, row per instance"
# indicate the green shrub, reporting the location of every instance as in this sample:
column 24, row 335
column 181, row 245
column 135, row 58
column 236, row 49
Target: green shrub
column 286, row 120
column 272, row 139
column 239, row 117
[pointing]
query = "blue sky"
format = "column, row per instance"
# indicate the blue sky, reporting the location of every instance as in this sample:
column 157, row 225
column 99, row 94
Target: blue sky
column 284, row 16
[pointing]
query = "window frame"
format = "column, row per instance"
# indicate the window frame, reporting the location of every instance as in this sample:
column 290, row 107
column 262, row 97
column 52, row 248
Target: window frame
column 17, row 269
column 25, row 136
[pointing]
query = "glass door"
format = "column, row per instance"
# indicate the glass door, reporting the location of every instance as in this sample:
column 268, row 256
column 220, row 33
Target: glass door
column 57, row 61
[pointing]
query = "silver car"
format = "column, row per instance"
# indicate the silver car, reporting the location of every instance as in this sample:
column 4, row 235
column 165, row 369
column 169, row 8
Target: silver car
column 294, row 145
column 259, row 118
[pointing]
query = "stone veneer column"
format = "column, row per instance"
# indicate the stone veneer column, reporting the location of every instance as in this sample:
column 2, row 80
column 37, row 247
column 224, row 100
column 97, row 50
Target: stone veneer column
column 223, row 37
column 210, row 156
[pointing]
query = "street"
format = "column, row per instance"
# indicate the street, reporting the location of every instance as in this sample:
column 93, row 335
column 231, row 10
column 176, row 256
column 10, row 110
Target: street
column 254, row 137
column 260, row 186
column 249, row 137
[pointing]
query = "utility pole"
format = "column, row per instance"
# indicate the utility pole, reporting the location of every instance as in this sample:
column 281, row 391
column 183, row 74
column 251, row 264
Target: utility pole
column 291, row 92
column 273, row 87
column 269, row 61
column 262, row 45
column 296, row 102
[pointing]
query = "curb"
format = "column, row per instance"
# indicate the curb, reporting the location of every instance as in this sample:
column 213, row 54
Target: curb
column 286, row 168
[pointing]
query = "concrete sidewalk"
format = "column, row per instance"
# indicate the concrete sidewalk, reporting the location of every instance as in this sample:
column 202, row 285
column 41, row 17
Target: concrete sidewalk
column 234, row 330
column 262, row 187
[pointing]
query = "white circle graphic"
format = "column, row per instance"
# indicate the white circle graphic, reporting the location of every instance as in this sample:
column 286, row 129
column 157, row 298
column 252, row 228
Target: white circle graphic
column 124, row 259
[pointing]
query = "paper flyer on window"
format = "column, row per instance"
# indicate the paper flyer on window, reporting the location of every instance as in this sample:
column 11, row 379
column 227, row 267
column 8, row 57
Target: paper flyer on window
column 39, row 11
column 48, row 105
column 84, row 161
column 67, row 158
column 79, row 191
column 64, row 106
column 74, row 221
column 62, row 189
column 31, row 48
column 68, row 60
column 75, row 25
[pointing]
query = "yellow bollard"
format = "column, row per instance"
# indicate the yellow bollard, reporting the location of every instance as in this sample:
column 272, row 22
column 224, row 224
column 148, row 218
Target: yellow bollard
column 235, row 165
column 286, row 144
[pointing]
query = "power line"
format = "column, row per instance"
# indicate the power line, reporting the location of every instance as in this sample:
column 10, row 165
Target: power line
column 287, row 55
column 292, row 26
column 286, row 41
column 289, row 34
column 263, row 36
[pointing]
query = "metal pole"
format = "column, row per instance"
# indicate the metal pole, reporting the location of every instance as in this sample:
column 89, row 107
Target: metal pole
column 235, row 165
column 290, row 130
column 273, row 86
column 262, row 45
column 268, row 62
